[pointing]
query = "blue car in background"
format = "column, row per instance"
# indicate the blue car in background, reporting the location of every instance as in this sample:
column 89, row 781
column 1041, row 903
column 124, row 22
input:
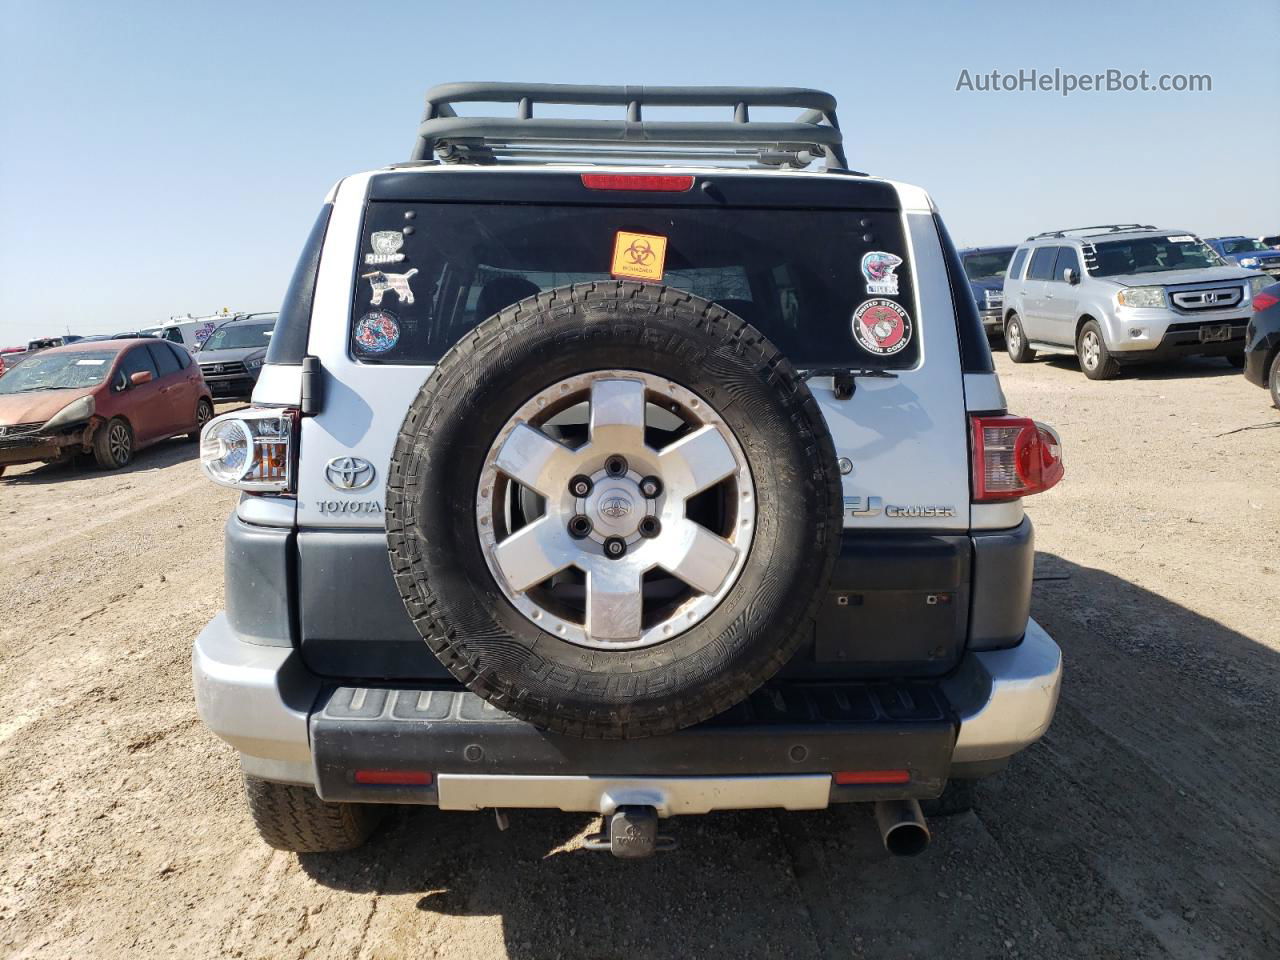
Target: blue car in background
column 985, row 267
column 1247, row 252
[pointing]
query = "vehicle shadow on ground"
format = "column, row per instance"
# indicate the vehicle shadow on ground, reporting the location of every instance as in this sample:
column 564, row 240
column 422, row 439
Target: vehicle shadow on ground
column 1192, row 368
column 1136, row 827
column 156, row 457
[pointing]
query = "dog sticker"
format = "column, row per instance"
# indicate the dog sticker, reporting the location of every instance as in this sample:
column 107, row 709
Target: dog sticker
column 397, row 283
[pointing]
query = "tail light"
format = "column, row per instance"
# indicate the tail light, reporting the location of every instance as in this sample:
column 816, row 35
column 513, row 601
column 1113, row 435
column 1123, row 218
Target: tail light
column 252, row 450
column 1013, row 457
column 653, row 183
column 1264, row 301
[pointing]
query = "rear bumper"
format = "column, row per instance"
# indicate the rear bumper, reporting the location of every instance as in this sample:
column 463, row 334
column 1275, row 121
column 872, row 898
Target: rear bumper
column 778, row 749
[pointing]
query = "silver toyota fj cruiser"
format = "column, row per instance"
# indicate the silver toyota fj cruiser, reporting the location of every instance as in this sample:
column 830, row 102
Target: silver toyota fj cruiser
column 645, row 468
column 1125, row 293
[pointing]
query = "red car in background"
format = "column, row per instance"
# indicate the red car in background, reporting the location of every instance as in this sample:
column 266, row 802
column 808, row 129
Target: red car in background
column 110, row 398
column 9, row 358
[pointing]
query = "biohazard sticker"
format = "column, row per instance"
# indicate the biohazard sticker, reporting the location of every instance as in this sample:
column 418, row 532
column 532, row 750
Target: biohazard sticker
column 877, row 268
column 881, row 327
column 383, row 282
column 377, row 332
column 386, row 247
column 639, row 256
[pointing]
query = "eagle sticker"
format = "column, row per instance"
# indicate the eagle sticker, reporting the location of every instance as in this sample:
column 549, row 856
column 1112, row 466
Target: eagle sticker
column 639, row 256
column 377, row 332
column 881, row 327
column 877, row 268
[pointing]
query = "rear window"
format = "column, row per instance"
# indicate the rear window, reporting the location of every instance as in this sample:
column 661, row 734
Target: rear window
column 1042, row 263
column 1015, row 268
column 800, row 276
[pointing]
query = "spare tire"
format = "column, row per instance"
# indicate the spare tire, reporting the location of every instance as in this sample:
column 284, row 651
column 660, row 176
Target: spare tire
column 612, row 510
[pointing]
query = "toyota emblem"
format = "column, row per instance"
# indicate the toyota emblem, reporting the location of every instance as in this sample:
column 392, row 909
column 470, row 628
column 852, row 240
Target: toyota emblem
column 348, row 473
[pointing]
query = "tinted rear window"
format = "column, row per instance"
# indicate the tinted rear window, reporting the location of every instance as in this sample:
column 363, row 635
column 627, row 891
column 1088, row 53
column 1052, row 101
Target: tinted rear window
column 1015, row 268
column 797, row 275
column 1042, row 263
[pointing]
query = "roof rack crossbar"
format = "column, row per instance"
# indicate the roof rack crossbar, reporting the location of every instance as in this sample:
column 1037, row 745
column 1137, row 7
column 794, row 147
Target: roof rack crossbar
column 1097, row 227
column 444, row 136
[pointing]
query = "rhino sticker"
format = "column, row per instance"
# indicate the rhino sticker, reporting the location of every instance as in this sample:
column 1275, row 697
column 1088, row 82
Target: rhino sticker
column 397, row 283
column 877, row 268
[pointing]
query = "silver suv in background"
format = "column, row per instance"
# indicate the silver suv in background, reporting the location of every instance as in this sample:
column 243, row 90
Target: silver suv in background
column 1123, row 293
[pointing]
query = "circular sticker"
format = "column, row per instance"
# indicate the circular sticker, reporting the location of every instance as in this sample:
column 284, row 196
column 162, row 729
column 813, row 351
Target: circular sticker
column 377, row 332
column 881, row 326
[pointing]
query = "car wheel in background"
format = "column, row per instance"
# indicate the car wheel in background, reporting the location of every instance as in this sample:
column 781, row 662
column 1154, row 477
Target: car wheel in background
column 204, row 413
column 113, row 444
column 1015, row 341
column 1095, row 359
column 1275, row 381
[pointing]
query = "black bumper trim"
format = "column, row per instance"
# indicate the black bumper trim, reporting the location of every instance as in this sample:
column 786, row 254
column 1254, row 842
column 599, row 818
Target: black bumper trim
column 781, row 729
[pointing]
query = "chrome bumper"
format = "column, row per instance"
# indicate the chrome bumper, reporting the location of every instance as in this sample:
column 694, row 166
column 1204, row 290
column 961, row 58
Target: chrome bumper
column 259, row 698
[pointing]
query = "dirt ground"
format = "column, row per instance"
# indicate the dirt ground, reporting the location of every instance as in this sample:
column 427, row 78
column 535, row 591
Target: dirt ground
column 1143, row 825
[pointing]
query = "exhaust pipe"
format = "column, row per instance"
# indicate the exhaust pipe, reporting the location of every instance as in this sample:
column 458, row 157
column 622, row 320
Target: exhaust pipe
column 902, row 827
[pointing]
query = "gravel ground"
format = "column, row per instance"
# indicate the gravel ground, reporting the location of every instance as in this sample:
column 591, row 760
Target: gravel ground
column 1143, row 825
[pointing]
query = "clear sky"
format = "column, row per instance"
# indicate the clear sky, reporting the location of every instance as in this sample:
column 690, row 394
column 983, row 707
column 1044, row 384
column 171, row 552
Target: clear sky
column 165, row 158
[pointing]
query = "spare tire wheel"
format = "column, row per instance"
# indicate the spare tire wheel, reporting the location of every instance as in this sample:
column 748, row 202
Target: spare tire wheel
column 613, row 509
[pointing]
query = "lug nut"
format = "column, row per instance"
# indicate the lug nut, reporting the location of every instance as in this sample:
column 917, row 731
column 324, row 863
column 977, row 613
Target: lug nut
column 651, row 487
column 579, row 527
column 615, row 548
column 580, row 486
column 650, row 527
column 616, row 465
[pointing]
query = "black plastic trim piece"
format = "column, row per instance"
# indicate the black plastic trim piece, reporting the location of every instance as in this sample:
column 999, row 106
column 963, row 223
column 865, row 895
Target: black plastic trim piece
column 259, row 600
column 781, row 729
column 1003, row 562
column 536, row 186
column 975, row 349
column 293, row 327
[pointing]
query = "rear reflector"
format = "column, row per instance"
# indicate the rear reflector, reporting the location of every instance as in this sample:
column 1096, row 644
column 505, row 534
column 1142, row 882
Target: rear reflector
column 1013, row 457
column 398, row 778
column 627, row 181
column 848, row 778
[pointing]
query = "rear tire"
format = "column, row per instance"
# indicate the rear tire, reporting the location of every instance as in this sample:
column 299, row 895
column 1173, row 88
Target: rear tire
column 113, row 444
column 1015, row 341
column 290, row 817
column 204, row 413
column 1096, row 361
column 1275, row 381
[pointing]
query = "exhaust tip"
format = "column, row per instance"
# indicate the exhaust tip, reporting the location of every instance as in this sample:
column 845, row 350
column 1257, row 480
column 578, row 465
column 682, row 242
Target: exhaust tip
column 902, row 827
column 907, row 840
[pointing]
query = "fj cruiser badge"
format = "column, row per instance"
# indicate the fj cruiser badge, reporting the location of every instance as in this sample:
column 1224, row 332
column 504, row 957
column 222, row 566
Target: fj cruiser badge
column 881, row 326
column 386, row 247
column 377, row 332
column 639, row 256
column 397, row 283
column 877, row 268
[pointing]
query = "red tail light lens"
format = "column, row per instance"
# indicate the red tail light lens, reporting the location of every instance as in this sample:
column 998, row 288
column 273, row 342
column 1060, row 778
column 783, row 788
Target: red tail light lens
column 653, row 183
column 1265, row 301
column 1013, row 457
column 849, row 778
column 395, row 778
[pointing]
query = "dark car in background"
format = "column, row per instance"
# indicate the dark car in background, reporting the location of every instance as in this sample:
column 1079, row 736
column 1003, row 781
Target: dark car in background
column 985, row 267
column 1262, row 342
column 232, row 356
column 1247, row 252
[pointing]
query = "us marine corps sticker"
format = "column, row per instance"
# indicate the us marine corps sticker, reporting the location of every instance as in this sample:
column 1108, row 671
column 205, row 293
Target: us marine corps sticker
column 877, row 268
column 881, row 327
column 377, row 332
column 639, row 256
column 397, row 283
column 386, row 247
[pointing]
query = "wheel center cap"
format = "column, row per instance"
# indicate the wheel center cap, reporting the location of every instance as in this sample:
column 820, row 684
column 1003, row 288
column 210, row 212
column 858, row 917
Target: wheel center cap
column 616, row 507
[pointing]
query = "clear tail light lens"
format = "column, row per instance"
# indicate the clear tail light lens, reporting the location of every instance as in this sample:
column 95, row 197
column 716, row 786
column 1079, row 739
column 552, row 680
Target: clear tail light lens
column 251, row 449
column 1013, row 457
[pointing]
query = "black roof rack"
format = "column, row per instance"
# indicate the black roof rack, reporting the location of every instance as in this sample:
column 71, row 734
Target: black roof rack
column 445, row 137
column 1095, row 229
